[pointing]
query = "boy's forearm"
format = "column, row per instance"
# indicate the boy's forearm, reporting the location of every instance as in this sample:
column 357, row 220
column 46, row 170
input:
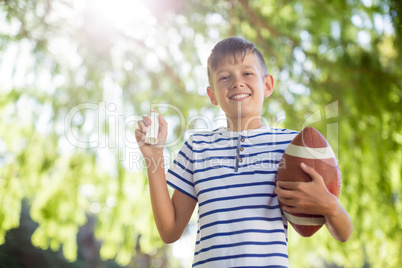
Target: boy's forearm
column 339, row 223
column 162, row 205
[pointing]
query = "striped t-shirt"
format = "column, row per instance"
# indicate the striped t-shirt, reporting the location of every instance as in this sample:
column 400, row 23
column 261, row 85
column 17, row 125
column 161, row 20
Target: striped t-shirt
column 232, row 177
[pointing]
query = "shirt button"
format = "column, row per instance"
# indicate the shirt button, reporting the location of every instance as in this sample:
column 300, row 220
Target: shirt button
column 241, row 149
column 243, row 139
column 240, row 160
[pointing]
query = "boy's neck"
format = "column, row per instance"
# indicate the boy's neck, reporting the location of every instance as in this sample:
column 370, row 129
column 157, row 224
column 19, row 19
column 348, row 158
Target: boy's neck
column 241, row 124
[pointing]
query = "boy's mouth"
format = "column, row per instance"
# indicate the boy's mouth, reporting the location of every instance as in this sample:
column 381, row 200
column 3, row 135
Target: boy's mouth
column 240, row 96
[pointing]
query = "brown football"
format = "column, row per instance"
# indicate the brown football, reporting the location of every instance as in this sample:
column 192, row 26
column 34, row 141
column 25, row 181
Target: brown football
column 311, row 148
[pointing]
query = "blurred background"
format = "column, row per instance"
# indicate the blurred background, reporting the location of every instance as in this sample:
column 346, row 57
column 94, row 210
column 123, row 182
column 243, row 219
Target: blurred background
column 76, row 76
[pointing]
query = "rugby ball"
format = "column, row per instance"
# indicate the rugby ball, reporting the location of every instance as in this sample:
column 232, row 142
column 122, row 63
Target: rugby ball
column 311, row 148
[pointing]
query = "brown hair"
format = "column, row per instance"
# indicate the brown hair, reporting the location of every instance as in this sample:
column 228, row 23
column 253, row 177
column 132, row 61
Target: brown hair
column 236, row 47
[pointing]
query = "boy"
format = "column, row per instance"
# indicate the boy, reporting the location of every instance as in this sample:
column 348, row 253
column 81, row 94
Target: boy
column 230, row 172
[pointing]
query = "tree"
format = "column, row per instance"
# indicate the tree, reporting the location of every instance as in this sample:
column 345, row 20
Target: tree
column 74, row 80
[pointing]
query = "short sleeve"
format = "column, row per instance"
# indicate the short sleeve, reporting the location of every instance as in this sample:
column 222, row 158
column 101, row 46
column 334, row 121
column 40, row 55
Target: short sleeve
column 180, row 173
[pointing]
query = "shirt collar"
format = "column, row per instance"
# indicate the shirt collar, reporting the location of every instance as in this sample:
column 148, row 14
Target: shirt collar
column 227, row 133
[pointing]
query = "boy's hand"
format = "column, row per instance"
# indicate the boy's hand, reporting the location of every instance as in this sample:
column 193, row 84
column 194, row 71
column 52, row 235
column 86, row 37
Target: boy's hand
column 306, row 197
column 148, row 150
column 314, row 198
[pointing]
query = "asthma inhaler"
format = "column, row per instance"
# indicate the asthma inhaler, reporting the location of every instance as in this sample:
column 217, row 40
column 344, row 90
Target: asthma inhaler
column 152, row 132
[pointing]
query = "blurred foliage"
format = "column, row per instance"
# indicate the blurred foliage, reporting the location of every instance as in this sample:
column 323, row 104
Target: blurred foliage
column 73, row 85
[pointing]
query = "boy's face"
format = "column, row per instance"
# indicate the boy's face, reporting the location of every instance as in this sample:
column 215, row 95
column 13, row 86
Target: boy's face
column 239, row 88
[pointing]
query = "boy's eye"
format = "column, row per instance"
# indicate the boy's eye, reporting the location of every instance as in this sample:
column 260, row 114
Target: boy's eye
column 223, row 78
column 248, row 73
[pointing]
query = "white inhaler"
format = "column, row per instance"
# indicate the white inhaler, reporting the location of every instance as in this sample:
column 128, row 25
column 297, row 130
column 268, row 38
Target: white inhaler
column 152, row 132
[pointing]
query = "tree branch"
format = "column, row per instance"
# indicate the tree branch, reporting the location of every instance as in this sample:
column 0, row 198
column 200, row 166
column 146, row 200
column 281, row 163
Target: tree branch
column 256, row 18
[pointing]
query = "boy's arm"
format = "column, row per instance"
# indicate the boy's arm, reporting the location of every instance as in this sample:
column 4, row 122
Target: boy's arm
column 314, row 198
column 171, row 214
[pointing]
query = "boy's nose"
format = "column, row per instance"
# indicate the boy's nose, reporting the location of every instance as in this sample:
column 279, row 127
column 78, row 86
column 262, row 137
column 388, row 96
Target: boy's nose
column 237, row 84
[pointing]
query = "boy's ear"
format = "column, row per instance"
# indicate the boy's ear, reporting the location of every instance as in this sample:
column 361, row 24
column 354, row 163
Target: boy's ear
column 268, row 85
column 212, row 97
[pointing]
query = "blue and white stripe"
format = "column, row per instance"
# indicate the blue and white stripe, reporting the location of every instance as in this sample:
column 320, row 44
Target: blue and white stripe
column 232, row 176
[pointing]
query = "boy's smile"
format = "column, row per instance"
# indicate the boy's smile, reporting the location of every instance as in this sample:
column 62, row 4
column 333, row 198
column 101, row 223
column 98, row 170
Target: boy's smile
column 240, row 96
column 239, row 88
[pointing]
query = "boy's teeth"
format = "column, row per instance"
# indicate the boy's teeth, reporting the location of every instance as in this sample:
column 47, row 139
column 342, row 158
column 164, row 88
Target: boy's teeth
column 239, row 96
